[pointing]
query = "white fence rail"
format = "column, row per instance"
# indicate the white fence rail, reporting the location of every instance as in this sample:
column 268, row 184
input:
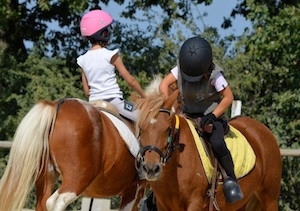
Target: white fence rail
column 284, row 152
column 5, row 144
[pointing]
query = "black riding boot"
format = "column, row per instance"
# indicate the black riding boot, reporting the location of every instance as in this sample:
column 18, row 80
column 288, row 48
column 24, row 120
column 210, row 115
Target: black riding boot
column 149, row 204
column 231, row 188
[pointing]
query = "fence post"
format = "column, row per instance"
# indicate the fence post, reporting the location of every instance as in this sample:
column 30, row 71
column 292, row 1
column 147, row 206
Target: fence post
column 236, row 108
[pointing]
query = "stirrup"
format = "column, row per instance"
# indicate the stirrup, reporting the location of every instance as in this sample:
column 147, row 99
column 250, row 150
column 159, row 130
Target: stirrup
column 232, row 191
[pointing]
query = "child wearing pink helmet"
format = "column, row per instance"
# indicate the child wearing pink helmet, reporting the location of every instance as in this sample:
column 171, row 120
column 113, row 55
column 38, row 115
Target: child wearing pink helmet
column 98, row 65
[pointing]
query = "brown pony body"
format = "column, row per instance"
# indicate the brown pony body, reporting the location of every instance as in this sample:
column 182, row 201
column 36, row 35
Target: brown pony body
column 77, row 142
column 180, row 182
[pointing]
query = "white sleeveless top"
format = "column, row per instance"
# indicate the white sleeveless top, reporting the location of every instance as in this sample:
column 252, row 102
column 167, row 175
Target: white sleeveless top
column 100, row 74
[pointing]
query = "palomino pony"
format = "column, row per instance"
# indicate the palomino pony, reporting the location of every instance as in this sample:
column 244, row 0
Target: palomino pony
column 75, row 140
column 170, row 161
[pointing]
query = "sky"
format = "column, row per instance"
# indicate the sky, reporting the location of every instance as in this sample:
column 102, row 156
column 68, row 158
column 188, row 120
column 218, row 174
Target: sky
column 216, row 13
column 220, row 9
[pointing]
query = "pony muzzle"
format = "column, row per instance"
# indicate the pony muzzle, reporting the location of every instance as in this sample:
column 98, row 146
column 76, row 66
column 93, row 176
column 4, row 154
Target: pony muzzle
column 151, row 170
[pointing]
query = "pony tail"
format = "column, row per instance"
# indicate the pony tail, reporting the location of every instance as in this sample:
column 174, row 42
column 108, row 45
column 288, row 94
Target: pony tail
column 30, row 148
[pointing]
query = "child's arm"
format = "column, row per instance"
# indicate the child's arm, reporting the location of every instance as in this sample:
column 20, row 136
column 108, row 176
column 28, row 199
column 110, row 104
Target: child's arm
column 131, row 81
column 165, row 83
column 225, row 102
column 85, row 85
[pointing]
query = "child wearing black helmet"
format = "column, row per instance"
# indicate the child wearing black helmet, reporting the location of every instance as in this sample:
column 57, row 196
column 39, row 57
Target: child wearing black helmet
column 205, row 93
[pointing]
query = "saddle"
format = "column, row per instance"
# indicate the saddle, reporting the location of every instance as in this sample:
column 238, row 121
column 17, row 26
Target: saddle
column 106, row 106
column 241, row 151
column 236, row 143
column 123, row 126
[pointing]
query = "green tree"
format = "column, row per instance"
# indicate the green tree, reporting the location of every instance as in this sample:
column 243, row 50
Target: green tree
column 265, row 75
column 268, row 59
column 262, row 68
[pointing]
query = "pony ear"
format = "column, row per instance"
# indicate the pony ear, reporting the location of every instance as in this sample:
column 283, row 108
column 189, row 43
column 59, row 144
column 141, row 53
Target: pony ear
column 171, row 100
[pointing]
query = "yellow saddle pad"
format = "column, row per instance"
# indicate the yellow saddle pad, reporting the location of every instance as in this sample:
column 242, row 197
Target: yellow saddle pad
column 241, row 151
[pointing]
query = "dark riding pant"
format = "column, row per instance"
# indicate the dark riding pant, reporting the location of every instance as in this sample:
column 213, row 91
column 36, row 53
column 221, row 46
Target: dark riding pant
column 216, row 139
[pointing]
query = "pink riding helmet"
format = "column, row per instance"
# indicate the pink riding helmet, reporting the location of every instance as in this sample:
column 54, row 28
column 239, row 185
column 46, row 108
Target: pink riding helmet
column 94, row 22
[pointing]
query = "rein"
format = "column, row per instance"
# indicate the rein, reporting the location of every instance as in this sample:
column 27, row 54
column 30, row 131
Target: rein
column 172, row 141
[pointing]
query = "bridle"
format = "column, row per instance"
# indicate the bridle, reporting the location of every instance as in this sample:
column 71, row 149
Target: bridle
column 172, row 144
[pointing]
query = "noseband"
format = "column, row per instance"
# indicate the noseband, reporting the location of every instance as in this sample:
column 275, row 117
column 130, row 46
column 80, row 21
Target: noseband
column 172, row 141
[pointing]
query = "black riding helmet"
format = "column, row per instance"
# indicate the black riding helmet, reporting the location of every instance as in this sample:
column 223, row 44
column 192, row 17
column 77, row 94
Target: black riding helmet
column 195, row 58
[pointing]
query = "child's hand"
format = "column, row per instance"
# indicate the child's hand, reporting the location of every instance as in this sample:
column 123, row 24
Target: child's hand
column 208, row 119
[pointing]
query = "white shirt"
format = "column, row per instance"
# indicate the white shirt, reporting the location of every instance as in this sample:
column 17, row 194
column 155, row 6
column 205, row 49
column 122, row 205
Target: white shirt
column 100, row 74
column 219, row 82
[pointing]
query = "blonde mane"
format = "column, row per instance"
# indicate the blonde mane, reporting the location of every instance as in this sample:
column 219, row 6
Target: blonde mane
column 149, row 106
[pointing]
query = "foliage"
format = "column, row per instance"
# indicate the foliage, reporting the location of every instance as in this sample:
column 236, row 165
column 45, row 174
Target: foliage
column 268, row 83
column 10, row 83
column 3, row 161
column 262, row 68
column 37, row 78
column 290, row 185
column 267, row 61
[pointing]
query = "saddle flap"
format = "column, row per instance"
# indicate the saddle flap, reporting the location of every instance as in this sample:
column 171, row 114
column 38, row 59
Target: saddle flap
column 241, row 151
